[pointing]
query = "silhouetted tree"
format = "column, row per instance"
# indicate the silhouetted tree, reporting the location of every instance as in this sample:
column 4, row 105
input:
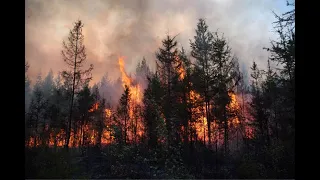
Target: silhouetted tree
column 168, row 65
column 85, row 103
column 153, row 119
column 202, row 51
column 226, row 79
column 57, row 111
column 99, row 115
column 74, row 55
column 48, row 85
column 27, row 88
column 123, row 111
column 142, row 72
column 36, row 111
column 258, row 111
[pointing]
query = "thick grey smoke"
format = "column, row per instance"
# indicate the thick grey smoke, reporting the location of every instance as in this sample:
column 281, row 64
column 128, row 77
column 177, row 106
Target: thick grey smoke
column 135, row 28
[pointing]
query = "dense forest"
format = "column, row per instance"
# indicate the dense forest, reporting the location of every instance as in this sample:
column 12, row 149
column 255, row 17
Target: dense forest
column 195, row 116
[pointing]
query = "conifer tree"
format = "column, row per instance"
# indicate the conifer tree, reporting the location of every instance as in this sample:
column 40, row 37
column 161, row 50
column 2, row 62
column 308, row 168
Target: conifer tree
column 74, row 55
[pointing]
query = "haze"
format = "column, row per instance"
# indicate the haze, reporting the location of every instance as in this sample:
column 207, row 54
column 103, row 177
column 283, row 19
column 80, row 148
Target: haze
column 134, row 29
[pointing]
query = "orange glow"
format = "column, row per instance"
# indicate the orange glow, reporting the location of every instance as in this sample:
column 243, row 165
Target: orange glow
column 94, row 107
column 135, row 90
column 136, row 94
column 198, row 113
column 181, row 70
column 108, row 113
column 87, row 134
column 233, row 107
column 125, row 78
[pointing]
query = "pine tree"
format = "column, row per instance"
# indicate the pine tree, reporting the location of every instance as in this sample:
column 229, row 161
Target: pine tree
column 269, row 87
column 48, row 85
column 123, row 111
column 283, row 53
column 202, row 51
column 187, row 104
column 74, row 55
column 142, row 72
column 85, row 103
column 168, row 65
column 104, row 87
column 226, row 77
column 99, row 115
column 27, row 88
column 56, row 111
column 36, row 111
column 258, row 110
column 153, row 96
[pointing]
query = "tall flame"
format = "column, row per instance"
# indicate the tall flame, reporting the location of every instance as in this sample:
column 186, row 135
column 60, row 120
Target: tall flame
column 136, row 100
column 135, row 90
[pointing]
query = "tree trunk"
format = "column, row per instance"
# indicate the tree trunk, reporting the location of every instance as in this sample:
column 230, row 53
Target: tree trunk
column 208, row 123
column 75, row 128
column 36, row 130
column 168, row 113
column 55, row 140
column 226, row 129
column 135, row 130
column 72, row 95
column 204, row 133
column 100, row 130
column 125, row 130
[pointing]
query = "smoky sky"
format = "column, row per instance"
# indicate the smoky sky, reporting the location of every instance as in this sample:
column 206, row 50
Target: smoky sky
column 134, row 29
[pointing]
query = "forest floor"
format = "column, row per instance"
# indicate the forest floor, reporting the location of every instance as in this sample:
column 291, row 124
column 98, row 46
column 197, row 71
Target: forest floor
column 138, row 162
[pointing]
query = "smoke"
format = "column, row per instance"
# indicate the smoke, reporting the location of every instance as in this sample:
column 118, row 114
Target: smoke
column 134, row 29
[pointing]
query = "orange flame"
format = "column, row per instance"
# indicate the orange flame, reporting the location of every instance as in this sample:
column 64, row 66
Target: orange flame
column 94, row 107
column 201, row 122
column 135, row 90
column 136, row 99
column 108, row 113
column 181, row 70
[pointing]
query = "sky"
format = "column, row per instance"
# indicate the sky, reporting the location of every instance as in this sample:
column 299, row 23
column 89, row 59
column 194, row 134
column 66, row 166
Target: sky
column 134, row 29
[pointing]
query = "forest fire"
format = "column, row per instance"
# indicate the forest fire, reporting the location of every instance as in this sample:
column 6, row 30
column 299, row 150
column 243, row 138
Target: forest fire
column 88, row 134
column 195, row 113
column 134, row 126
column 135, row 119
column 198, row 113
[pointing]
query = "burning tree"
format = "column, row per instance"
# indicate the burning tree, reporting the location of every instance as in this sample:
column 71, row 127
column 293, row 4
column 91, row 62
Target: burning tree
column 99, row 116
column 202, row 51
column 85, row 102
column 226, row 78
column 74, row 55
column 186, row 106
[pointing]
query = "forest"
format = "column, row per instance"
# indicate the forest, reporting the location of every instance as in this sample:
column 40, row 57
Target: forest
column 194, row 117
